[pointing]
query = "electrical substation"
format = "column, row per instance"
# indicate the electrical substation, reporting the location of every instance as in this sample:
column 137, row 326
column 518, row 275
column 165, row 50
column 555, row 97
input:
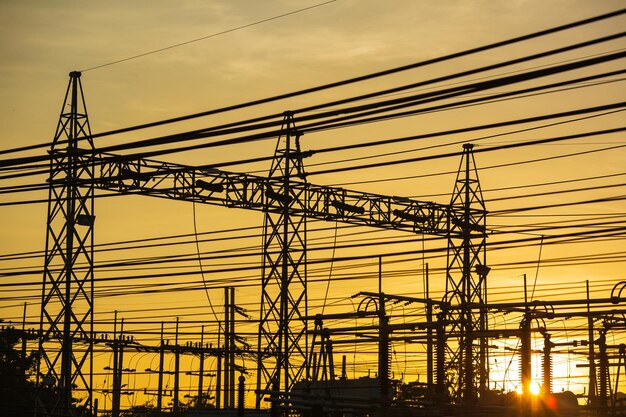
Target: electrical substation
column 470, row 353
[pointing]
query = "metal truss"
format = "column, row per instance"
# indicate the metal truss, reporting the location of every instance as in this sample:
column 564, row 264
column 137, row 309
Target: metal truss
column 67, row 293
column 283, row 332
column 285, row 230
column 211, row 186
column 466, row 283
column 287, row 199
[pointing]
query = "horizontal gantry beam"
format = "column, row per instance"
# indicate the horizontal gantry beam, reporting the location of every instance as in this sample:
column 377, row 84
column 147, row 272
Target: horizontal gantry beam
column 213, row 186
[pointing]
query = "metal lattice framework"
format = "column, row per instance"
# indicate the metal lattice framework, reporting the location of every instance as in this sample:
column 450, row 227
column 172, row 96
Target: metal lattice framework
column 274, row 194
column 283, row 328
column 287, row 200
column 212, row 186
column 67, row 294
column 466, row 281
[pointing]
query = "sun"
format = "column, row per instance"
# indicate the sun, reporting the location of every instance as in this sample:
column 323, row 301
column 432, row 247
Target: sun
column 535, row 389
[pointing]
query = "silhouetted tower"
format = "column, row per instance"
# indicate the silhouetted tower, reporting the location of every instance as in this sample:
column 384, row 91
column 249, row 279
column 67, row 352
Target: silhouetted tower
column 466, row 279
column 67, row 294
column 282, row 338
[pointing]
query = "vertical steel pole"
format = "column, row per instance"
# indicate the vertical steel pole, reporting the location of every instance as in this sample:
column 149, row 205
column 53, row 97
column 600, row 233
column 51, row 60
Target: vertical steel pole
column 24, row 336
column 115, row 403
column 218, row 382
column 383, row 340
column 161, row 364
column 201, row 376
column 231, row 359
column 227, row 348
column 176, row 371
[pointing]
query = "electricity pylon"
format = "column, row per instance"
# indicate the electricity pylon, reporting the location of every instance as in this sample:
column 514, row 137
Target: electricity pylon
column 67, row 294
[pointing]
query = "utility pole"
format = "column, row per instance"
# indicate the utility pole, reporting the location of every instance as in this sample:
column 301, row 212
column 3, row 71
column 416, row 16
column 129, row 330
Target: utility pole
column 383, row 342
column 231, row 346
column 218, row 382
column 24, row 334
column 161, row 364
column 201, row 376
column 525, row 355
column 118, row 358
column 176, row 371
column 227, row 348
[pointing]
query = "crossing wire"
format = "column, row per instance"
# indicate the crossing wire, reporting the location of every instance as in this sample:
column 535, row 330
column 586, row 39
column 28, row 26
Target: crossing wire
column 208, row 36
column 348, row 81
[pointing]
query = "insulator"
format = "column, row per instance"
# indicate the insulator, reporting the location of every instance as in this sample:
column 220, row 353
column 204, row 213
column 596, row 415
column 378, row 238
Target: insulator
column 547, row 369
column 210, row 186
column 347, row 207
column 440, row 362
column 409, row 216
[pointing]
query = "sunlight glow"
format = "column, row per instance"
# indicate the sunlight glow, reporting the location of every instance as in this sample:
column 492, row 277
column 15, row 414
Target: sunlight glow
column 535, row 389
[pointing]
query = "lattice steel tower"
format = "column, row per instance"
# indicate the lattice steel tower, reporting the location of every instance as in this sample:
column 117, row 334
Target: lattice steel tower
column 282, row 338
column 466, row 281
column 67, row 294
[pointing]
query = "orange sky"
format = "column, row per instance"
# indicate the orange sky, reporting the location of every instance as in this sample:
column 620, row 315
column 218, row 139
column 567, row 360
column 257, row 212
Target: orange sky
column 41, row 42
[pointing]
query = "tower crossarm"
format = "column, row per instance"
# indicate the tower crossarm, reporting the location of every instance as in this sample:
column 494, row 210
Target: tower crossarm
column 212, row 186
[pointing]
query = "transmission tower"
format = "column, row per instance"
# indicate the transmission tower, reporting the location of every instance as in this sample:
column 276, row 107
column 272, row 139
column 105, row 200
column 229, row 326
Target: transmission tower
column 287, row 199
column 67, row 293
column 466, row 281
column 282, row 338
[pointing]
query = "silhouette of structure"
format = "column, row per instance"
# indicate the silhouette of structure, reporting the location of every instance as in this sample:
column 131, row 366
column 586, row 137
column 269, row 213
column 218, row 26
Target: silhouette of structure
column 287, row 200
column 67, row 294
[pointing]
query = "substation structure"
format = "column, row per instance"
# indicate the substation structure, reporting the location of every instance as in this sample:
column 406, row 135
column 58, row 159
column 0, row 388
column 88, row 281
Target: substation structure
column 294, row 357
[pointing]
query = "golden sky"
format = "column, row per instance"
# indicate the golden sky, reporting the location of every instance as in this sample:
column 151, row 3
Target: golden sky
column 42, row 41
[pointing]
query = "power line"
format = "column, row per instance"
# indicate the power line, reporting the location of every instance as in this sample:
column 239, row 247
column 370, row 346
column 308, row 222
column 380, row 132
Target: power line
column 548, row 239
column 481, row 150
column 607, row 108
column 208, row 36
column 431, row 157
column 496, row 166
column 467, row 130
column 348, row 81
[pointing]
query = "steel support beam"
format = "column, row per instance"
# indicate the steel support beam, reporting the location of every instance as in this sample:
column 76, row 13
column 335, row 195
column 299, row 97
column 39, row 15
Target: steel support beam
column 211, row 186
